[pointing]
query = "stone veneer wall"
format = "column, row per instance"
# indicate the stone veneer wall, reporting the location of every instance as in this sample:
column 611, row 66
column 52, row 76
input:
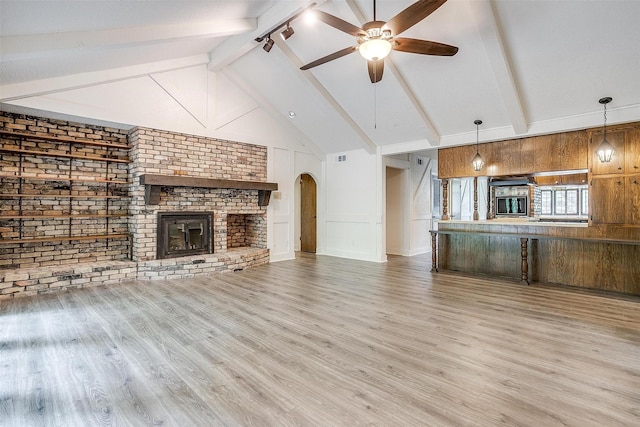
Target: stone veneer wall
column 171, row 153
column 60, row 253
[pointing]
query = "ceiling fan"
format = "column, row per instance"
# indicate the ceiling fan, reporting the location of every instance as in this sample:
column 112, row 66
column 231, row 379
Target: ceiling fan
column 377, row 38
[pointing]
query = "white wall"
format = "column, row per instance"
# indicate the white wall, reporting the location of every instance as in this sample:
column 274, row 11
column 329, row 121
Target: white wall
column 352, row 209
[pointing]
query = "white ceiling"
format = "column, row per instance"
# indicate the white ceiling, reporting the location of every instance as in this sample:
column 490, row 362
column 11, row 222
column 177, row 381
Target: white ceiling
column 524, row 66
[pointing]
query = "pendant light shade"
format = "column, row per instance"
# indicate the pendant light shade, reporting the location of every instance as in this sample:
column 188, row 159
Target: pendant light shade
column 375, row 50
column 478, row 161
column 605, row 149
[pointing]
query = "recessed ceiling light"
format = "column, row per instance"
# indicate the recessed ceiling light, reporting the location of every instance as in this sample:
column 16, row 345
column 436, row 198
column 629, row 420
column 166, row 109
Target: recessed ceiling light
column 292, row 114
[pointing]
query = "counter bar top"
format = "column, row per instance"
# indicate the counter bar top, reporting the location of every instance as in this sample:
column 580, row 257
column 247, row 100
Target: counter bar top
column 518, row 222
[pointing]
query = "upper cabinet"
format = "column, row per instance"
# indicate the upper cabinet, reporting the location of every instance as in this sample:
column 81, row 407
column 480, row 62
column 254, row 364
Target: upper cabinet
column 560, row 152
column 503, row 158
column 632, row 151
column 455, row 162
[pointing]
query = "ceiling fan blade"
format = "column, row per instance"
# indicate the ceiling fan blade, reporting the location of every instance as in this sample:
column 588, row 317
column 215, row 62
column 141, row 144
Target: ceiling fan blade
column 424, row 47
column 334, row 55
column 376, row 68
column 338, row 23
column 412, row 15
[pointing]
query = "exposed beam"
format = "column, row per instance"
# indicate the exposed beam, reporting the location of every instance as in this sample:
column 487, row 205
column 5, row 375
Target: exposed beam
column 82, row 80
column 368, row 144
column 236, row 47
column 37, row 45
column 499, row 58
column 432, row 134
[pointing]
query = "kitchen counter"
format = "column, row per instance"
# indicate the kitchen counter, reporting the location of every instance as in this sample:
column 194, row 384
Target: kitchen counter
column 519, row 222
column 567, row 253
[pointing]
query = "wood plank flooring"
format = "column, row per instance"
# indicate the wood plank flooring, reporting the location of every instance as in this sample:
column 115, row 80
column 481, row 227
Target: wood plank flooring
column 322, row 341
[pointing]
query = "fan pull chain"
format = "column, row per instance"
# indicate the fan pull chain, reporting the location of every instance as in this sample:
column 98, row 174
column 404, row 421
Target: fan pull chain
column 375, row 107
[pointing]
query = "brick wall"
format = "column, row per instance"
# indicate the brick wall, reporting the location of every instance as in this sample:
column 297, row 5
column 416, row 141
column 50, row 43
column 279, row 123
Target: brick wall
column 50, row 169
column 246, row 231
column 34, row 268
column 170, row 153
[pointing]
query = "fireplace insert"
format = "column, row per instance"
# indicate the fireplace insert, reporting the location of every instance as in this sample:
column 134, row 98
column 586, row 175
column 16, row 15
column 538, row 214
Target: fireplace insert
column 184, row 233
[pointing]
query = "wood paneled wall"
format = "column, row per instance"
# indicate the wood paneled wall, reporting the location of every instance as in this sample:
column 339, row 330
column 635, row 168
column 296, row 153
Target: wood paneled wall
column 614, row 187
column 547, row 153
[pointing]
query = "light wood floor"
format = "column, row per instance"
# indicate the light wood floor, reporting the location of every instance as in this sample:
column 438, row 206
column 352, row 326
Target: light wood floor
column 322, row 341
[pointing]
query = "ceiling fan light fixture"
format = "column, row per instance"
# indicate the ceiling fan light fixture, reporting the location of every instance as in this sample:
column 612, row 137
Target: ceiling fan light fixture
column 375, row 49
column 287, row 32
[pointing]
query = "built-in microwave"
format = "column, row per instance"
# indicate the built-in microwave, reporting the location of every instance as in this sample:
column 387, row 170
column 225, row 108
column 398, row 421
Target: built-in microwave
column 512, row 206
column 512, row 201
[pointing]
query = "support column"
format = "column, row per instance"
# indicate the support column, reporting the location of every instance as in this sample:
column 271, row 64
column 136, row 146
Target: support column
column 434, row 251
column 524, row 267
column 490, row 196
column 445, row 199
column 476, row 215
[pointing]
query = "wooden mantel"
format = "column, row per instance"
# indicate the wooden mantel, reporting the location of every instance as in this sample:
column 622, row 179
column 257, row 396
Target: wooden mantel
column 153, row 183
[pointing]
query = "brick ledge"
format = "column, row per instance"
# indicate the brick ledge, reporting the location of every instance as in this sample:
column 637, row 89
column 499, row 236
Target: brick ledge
column 33, row 281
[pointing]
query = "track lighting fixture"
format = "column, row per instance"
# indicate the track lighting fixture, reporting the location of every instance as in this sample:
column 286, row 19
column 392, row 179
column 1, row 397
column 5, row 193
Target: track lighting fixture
column 268, row 45
column 605, row 149
column 478, row 161
column 288, row 32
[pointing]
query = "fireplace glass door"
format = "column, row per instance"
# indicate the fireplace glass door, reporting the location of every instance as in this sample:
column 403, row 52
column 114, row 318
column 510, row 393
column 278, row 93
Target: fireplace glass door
column 183, row 234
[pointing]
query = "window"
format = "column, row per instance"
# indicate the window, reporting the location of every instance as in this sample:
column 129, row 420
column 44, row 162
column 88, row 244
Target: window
column 547, row 202
column 571, row 201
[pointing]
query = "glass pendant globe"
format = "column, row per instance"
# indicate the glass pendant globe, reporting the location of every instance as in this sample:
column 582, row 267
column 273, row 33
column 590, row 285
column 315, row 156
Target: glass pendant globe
column 605, row 151
column 375, row 49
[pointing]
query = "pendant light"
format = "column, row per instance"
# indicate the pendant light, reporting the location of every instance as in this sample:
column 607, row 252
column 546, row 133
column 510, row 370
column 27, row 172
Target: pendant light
column 478, row 161
column 605, row 149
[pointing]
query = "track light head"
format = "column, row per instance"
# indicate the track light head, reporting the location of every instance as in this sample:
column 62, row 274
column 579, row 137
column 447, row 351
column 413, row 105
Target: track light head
column 268, row 45
column 288, row 32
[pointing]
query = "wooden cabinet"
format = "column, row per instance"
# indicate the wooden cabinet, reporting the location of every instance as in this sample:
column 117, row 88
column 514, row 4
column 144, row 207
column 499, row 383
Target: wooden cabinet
column 571, row 179
column 632, row 200
column 607, row 200
column 504, row 159
column 455, row 162
column 617, row 139
column 559, row 152
column 574, row 149
column 527, row 156
column 632, row 151
column 446, row 162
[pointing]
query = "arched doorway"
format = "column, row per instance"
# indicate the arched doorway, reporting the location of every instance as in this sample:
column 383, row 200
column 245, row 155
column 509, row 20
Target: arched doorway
column 308, row 213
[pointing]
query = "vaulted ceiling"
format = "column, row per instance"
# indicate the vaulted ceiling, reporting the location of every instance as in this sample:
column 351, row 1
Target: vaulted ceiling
column 524, row 67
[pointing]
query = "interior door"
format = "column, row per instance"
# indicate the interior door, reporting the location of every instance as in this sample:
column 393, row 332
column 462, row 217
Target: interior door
column 307, row 213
